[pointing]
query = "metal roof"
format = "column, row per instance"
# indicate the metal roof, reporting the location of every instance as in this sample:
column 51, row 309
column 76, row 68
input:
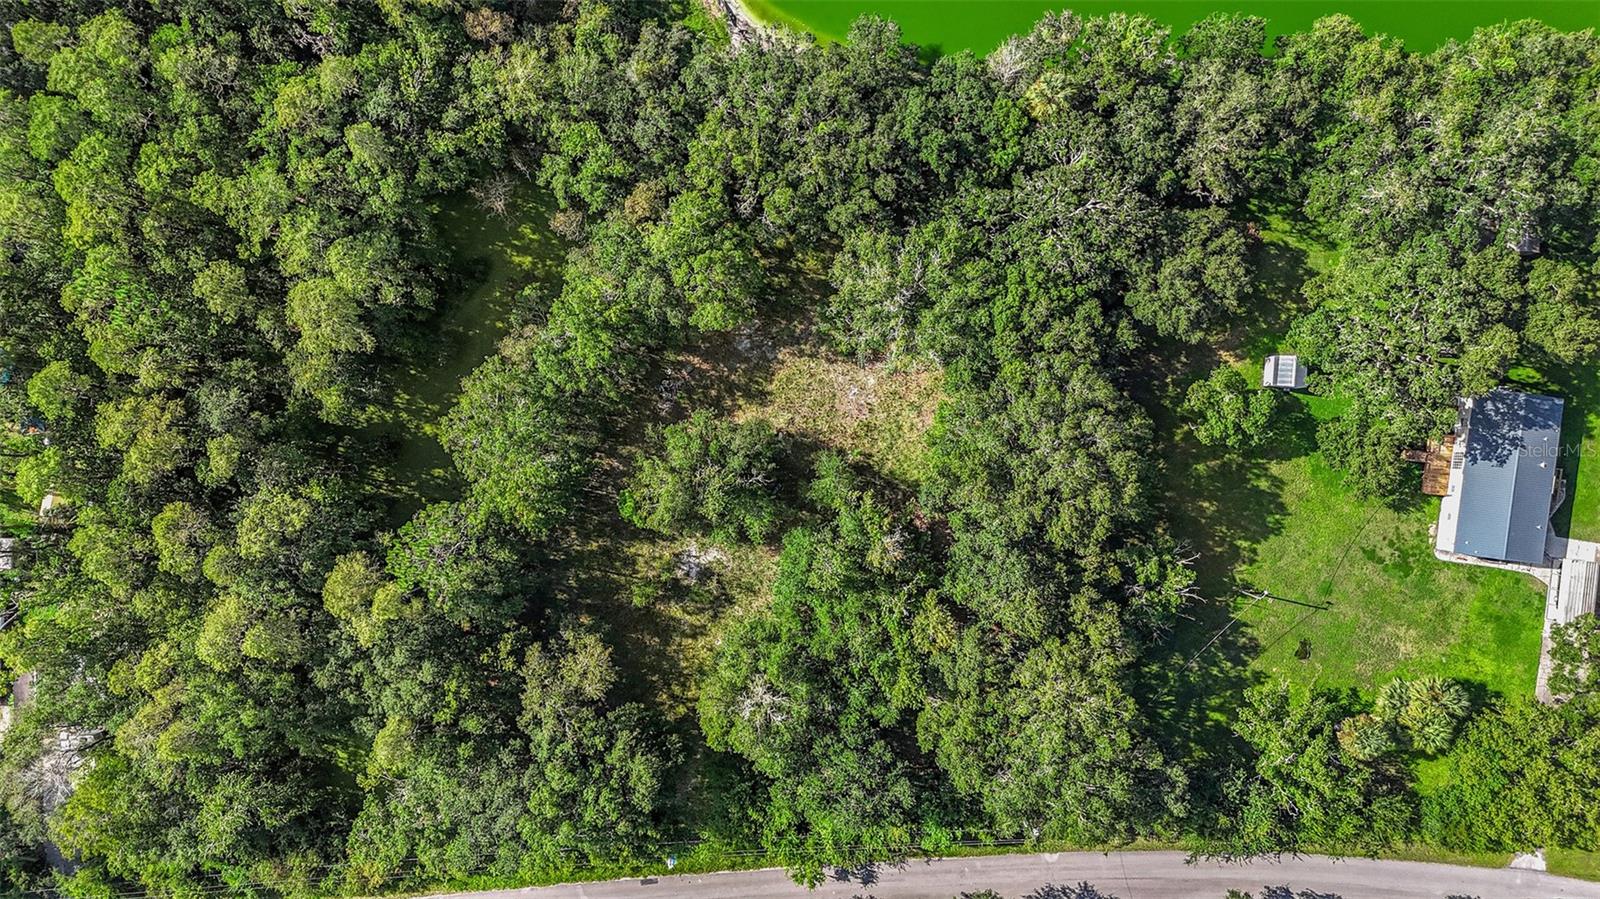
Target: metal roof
column 1580, row 579
column 1283, row 371
column 1508, row 476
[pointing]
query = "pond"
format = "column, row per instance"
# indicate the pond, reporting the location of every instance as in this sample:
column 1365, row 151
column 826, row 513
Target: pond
column 979, row 25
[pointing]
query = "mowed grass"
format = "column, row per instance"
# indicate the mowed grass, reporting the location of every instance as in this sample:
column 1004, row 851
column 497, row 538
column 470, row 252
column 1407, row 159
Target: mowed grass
column 1305, row 580
column 1348, row 593
column 1573, row 863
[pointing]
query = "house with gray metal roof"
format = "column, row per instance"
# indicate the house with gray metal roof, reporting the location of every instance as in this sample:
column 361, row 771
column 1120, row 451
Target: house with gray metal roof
column 1502, row 482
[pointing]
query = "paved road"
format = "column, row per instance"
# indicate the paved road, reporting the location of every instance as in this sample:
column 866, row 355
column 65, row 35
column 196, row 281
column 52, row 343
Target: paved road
column 1123, row 875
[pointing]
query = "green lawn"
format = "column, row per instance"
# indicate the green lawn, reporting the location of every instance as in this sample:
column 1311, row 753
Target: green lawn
column 1573, row 863
column 1339, row 591
column 1356, row 596
column 1306, row 581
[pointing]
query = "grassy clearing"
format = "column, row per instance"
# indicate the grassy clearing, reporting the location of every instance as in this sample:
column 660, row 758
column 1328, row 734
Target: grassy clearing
column 875, row 412
column 663, row 624
column 1349, row 593
column 499, row 256
column 1306, row 581
column 664, row 621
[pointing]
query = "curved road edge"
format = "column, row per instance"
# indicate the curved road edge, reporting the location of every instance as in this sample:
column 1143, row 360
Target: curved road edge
column 1123, row 875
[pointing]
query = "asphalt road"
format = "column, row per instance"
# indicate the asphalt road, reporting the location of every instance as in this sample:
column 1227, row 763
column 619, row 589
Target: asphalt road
column 1123, row 875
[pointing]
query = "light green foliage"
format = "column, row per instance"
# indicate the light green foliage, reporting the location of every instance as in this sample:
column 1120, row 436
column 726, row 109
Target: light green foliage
column 711, row 476
column 819, row 690
column 350, row 591
column 93, row 183
column 599, row 770
column 297, row 529
column 221, row 286
column 55, row 126
column 1421, row 714
column 39, row 474
column 1562, row 319
column 56, row 390
column 1512, row 766
column 147, row 431
column 1228, row 413
column 1575, row 657
column 1366, row 737
column 103, row 68
column 113, row 555
column 520, row 448
column 183, row 535
column 1429, row 709
column 37, row 41
column 711, row 260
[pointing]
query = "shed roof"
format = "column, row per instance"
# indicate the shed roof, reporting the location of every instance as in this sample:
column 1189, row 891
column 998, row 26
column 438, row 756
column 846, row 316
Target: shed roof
column 1283, row 371
column 1513, row 443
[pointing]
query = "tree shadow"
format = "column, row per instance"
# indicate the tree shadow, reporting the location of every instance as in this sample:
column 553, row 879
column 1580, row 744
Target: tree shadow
column 1579, row 387
column 1080, row 890
column 1222, row 506
column 1274, row 302
column 485, row 263
column 1285, row 891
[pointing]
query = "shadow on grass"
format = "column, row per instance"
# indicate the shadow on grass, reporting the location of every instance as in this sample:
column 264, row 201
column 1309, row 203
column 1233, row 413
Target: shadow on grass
column 1221, row 506
column 487, row 262
column 1579, row 387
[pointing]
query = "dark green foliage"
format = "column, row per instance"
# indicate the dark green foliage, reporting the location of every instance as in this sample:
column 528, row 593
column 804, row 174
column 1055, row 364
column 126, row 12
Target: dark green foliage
column 1521, row 775
column 1301, row 790
column 1575, row 657
column 820, row 691
column 219, row 243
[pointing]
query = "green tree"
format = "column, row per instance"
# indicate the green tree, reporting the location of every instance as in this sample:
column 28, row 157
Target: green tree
column 1226, row 412
column 712, row 476
column 1575, row 657
column 1300, row 790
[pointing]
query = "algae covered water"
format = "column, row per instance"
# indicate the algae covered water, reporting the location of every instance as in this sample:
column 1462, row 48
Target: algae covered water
column 979, row 25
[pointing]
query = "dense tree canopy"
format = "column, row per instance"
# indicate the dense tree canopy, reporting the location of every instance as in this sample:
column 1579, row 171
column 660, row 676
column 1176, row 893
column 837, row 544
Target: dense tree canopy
column 256, row 659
